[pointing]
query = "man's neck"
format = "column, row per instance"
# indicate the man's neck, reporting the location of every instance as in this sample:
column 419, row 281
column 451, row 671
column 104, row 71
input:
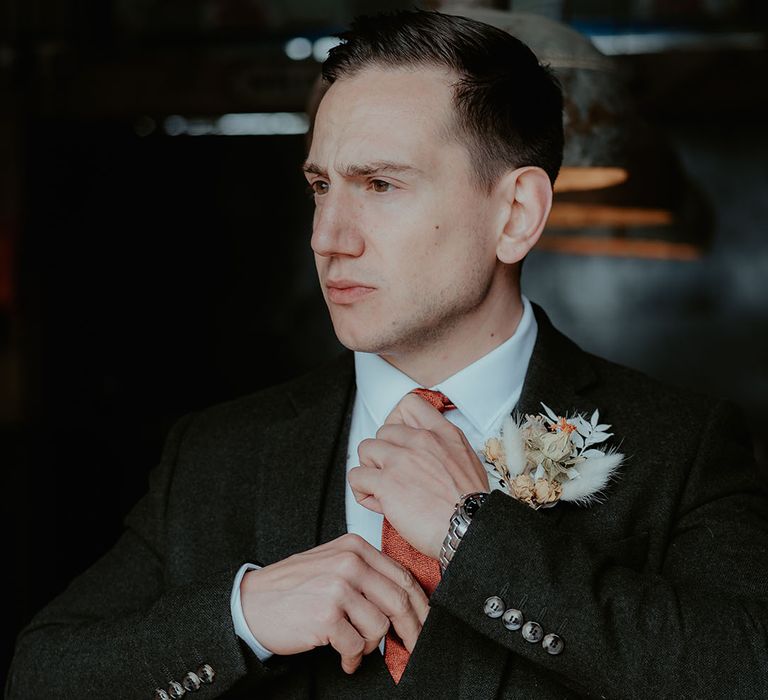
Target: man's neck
column 444, row 357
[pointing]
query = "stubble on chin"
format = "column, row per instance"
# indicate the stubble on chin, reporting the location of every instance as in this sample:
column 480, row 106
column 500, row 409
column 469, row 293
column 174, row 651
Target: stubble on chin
column 412, row 333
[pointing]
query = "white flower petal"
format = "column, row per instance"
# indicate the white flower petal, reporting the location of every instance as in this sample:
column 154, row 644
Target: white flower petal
column 582, row 426
column 597, row 439
column 593, row 453
column 514, row 446
column 595, row 474
column 550, row 412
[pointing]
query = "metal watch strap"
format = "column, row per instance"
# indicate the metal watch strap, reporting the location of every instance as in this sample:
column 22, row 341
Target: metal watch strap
column 460, row 521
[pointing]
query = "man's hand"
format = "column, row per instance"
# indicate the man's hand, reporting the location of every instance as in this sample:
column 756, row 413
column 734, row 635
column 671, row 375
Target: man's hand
column 344, row 593
column 414, row 472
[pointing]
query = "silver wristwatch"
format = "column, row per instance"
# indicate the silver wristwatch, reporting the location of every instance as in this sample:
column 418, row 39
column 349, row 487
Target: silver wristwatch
column 466, row 508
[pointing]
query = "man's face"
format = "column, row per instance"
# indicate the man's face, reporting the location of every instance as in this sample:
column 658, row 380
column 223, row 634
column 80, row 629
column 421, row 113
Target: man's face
column 402, row 235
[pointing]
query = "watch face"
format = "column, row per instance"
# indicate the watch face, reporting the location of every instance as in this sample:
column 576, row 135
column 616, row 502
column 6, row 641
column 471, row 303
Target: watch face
column 471, row 506
column 473, row 503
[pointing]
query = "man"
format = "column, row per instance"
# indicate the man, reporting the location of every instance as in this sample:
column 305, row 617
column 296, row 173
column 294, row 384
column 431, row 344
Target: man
column 432, row 162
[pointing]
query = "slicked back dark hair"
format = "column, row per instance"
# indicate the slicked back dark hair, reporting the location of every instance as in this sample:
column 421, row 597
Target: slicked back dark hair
column 508, row 107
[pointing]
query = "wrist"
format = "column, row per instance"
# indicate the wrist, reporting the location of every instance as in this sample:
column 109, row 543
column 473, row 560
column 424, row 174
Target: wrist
column 466, row 508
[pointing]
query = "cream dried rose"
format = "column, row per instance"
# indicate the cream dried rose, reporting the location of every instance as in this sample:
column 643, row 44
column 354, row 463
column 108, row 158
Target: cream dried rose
column 494, row 451
column 533, row 459
column 556, row 446
column 533, row 426
column 546, row 492
column 522, row 488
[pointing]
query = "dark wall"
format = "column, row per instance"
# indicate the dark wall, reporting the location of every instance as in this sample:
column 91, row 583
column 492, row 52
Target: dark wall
column 159, row 275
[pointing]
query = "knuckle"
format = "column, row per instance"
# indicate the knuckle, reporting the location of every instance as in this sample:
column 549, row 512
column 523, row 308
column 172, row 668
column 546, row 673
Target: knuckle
column 327, row 615
column 382, row 629
column 349, row 564
column 364, row 446
column 402, row 602
column 456, row 432
column 427, row 438
column 407, row 582
column 353, row 541
column 337, row 589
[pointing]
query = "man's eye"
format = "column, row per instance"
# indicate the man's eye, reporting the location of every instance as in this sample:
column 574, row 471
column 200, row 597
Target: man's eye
column 381, row 186
column 318, row 187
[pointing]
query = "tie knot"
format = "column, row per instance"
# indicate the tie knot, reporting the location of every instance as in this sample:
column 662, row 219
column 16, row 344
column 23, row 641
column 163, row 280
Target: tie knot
column 437, row 398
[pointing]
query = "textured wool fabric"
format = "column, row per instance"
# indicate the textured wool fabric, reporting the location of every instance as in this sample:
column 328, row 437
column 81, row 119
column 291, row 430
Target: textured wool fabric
column 658, row 591
column 424, row 569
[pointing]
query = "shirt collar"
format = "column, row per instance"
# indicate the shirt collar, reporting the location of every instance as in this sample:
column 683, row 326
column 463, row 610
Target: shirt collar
column 481, row 391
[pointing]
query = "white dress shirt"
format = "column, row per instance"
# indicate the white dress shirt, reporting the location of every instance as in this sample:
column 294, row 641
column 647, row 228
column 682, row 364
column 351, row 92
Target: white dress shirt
column 484, row 393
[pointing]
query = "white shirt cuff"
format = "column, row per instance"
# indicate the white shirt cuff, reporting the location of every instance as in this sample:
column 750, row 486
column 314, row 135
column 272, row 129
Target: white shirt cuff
column 241, row 626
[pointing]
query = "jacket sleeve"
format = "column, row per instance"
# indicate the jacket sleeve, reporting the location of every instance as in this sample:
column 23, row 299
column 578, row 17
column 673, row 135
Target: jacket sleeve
column 119, row 631
column 696, row 626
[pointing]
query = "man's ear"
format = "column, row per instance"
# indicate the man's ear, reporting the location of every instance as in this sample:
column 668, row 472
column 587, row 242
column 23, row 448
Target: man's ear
column 526, row 194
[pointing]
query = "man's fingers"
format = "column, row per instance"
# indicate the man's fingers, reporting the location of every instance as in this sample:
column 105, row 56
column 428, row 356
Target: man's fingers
column 364, row 479
column 369, row 621
column 364, row 482
column 396, row 579
column 387, row 567
column 396, row 603
column 400, row 435
column 375, row 452
column 415, row 412
column 401, row 577
column 344, row 593
column 345, row 639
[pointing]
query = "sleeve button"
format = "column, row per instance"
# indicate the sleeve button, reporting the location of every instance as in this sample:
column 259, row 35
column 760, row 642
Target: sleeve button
column 493, row 606
column 191, row 681
column 176, row 690
column 532, row 632
column 206, row 673
column 553, row 643
column 512, row 619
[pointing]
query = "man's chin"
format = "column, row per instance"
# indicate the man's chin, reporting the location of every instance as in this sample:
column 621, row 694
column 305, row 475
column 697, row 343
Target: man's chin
column 356, row 345
column 358, row 341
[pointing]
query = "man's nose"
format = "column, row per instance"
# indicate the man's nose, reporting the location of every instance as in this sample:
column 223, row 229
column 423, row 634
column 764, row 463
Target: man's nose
column 336, row 227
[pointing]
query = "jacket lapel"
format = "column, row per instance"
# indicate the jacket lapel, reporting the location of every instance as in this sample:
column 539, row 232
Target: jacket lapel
column 558, row 373
column 297, row 457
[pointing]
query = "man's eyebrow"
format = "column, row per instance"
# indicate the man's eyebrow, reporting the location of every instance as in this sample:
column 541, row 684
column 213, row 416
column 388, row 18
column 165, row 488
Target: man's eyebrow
column 377, row 167
column 313, row 168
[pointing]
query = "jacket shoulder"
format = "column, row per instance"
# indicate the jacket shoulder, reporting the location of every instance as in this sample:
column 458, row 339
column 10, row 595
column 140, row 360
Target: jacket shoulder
column 645, row 396
column 276, row 403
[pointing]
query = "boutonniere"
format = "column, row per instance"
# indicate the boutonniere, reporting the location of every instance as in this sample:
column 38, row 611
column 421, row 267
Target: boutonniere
column 545, row 458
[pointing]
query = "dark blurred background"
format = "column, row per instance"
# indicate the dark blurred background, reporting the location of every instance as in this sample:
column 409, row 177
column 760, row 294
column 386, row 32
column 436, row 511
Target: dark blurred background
column 154, row 231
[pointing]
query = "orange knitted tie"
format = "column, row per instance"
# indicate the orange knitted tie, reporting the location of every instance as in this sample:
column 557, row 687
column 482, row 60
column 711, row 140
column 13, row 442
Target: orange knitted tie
column 424, row 569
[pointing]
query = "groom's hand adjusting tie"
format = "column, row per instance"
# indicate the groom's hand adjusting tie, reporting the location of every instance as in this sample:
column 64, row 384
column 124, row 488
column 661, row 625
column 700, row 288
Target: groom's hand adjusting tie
column 424, row 569
column 414, row 472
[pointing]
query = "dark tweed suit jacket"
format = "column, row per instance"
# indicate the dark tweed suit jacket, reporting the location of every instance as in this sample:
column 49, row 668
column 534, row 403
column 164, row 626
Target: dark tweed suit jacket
column 661, row 591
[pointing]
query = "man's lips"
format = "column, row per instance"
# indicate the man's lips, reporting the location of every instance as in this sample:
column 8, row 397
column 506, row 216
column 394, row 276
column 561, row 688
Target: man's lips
column 347, row 291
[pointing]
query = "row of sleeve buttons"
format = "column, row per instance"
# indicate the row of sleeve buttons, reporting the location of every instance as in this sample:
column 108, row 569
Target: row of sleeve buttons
column 532, row 631
column 191, row 682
